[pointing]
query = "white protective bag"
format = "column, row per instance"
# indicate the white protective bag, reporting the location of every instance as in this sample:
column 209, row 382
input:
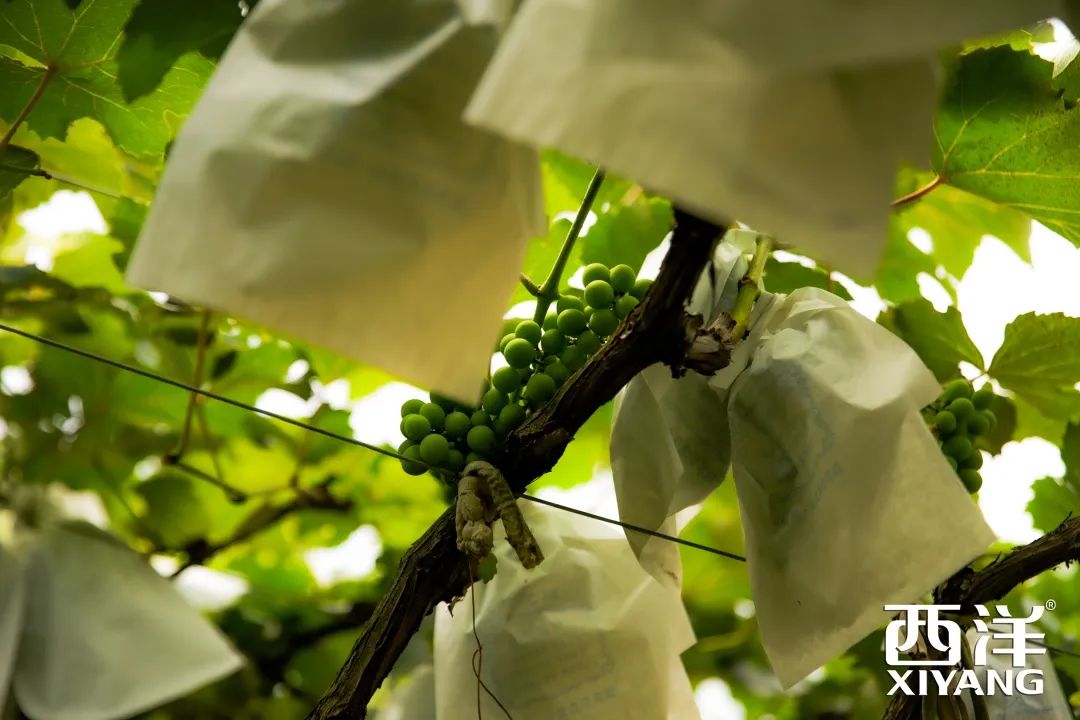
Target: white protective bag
column 787, row 115
column 587, row 633
column 326, row 187
column 100, row 635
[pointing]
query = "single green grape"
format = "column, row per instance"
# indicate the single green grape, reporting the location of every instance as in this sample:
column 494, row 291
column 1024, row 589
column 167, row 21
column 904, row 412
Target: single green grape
column 573, row 358
column 551, row 321
column 982, row 397
column 572, row 322
column 509, row 418
column 506, row 380
column 455, row 460
column 991, row 419
column 411, row 407
column 954, row 389
column 434, row 449
column 961, row 408
column 589, row 342
column 494, row 401
column 945, row 421
column 505, row 339
column 625, row 305
column 415, row 427
column 540, row 387
column 457, row 424
column 640, row 288
column 595, row 271
column 972, row 480
column 552, row 342
column 598, row 294
column 481, row 439
column 977, row 424
column 604, row 322
column 622, row 278
column 558, row 372
column 434, row 414
column 529, row 330
column 405, row 445
column 568, row 302
column 519, row 353
column 974, row 461
column 479, row 417
column 413, row 466
column 958, row 447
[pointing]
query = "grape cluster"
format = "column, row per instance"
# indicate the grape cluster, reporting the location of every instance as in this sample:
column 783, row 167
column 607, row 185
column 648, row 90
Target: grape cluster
column 958, row 418
column 539, row 358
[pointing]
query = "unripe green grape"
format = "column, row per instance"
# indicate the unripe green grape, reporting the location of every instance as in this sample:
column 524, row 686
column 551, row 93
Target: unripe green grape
column 455, row 460
column 952, row 463
column 473, row 457
column 529, row 330
column 603, row 322
column 991, row 419
column 505, row 339
column 434, row 449
column 412, row 466
column 558, row 372
column 519, row 353
column 569, row 302
column 494, row 401
column 550, row 321
column 958, row 447
column 481, row 439
column 954, row 389
column 594, row 272
column 598, row 294
column 457, row 424
column 945, row 421
column 573, row 358
column 974, row 461
column 506, row 380
column 540, row 387
column 415, row 427
column 589, row 342
column 640, row 288
column 625, row 305
column 479, row 417
column 961, row 408
column 982, row 397
column 509, row 418
column 434, row 414
column 572, row 322
column 972, row 480
column 552, row 342
column 411, row 407
column 622, row 278
column 977, row 424
column 405, row 445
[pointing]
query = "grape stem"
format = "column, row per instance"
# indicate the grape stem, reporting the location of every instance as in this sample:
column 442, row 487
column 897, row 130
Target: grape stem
column 549, row 291
column 750, row 288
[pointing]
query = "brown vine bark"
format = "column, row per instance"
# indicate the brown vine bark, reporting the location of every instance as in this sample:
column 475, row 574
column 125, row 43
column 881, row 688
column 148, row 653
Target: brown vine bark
column 433, row 570
column 970, row 587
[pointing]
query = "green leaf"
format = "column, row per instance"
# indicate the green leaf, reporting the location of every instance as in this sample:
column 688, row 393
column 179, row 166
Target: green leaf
column 91, row 264
column 938, row 338
column 1039, row 360
column 1052, row 502
column 1005, row 133
column 627, row 233
column 783, row 277
column 159, row 32
column 68, row 58
column 1070, row 454
column 901, row 263
column 13, row 161
column 565, row 180
column 173, row 511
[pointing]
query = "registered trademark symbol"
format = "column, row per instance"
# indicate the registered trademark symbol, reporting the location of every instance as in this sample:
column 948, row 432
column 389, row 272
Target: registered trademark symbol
column 1051, row 604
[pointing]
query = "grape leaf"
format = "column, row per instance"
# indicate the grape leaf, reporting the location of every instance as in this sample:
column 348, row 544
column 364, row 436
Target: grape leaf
column 159, row 32
column 901, row 263
column 783, row 277
column 1039, row 360
column 1052, row 502
column 939, row 339
column 67, row 57
column 13, row 161
column 1006, row 134
column 565, row 180
column 1070, row 454
column 174, row 514
column 627, row 233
